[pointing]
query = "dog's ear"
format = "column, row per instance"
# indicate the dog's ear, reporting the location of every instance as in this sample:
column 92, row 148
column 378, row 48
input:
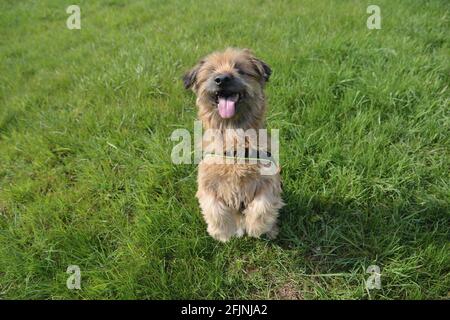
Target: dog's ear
column 190, row 77
column 261, row 67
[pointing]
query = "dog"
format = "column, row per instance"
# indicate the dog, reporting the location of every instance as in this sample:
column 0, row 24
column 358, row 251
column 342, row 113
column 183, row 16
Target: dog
column 235, row 199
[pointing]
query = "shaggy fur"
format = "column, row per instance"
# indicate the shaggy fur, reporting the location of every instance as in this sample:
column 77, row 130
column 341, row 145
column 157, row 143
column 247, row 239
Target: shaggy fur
column 235, row 199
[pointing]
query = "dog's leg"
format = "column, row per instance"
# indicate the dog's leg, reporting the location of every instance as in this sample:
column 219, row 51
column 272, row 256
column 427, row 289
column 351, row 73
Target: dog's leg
column 220, row 218
column 262, row 213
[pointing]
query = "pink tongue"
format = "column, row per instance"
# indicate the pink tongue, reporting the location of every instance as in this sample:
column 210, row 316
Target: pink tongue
column 227, row 107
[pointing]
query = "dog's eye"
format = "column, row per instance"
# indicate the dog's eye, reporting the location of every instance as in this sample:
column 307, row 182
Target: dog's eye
column 242, row 72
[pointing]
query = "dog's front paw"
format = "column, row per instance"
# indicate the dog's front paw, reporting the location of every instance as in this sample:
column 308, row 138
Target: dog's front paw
column 255, row 232
column 219, row 235
column 240, row 232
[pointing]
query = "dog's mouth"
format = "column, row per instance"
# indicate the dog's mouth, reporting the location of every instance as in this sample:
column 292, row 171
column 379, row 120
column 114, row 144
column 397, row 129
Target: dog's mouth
column 226, row 103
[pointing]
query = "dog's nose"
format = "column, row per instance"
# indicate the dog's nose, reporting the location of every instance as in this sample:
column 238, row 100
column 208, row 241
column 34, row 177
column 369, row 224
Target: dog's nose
column 222, row 79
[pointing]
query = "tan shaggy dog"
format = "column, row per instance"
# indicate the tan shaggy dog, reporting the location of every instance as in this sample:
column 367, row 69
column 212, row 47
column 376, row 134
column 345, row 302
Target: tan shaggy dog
column 235, row 198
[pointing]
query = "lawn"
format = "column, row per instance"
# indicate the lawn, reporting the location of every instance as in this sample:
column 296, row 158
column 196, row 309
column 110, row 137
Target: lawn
column 86, row 176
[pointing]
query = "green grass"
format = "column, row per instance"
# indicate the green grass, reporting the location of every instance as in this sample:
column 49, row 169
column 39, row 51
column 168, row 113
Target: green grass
column 85, row 171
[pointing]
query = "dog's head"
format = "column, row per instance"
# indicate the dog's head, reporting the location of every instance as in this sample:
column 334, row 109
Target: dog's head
column 229, row 87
